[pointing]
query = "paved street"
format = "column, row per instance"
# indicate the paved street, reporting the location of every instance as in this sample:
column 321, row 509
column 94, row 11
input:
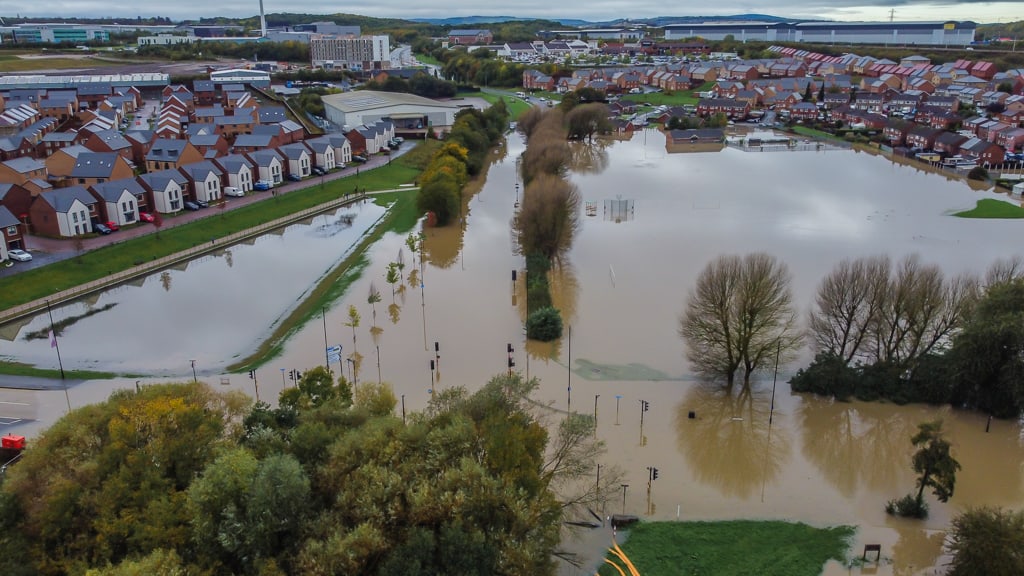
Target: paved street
column 48, row 250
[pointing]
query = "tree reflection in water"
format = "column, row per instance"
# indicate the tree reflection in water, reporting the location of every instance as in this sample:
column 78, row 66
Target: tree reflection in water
column 727, row 445
column 589, row 157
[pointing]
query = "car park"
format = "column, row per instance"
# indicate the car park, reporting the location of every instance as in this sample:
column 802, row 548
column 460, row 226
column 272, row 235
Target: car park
column 147, row 217
column 19, row 255
column 191, row 206
column 101, row 228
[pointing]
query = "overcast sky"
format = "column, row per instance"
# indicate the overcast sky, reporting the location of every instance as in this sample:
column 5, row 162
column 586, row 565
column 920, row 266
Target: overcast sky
column 594, row 10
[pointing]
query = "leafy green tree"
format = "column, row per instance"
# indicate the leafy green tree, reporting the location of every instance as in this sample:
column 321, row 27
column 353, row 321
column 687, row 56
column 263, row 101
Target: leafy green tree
column 353, row 323
column 372, row 297
column 316, row 388
column 987, row 365
column 544, row 325
column 936, row 469
column 586, row 120
column 987, row 541
column 392, row 277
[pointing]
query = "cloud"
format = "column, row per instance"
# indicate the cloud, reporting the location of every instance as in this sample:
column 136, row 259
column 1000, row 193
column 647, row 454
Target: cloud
column 596, row 10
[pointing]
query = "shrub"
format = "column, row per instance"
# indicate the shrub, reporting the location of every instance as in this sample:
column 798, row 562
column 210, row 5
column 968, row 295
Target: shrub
column 907, row 507
column 544, row 324
column 977, row 173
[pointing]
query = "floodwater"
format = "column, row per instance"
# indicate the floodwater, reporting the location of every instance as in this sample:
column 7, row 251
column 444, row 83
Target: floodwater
column 652, row 220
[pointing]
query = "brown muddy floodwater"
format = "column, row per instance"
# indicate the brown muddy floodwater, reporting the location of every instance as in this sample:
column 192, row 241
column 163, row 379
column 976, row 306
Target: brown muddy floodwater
column 652, row 221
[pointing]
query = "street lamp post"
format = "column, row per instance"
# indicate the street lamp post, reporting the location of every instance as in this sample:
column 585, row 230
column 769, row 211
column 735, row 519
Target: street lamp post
column 403, row 408
column 617, row 398
column 596, row 396
column 624, row 486
column 194, row 378
column 283, row 383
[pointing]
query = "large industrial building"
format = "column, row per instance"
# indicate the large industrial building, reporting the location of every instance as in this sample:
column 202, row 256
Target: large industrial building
column 412, row 116
column 351, row 53
column 938, row 33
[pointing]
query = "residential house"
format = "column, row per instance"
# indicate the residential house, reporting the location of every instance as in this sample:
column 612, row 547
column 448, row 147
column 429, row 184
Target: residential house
column 731, row 108
column 165, row 153
column 16, row 198
column 990, row 130
column 237, row 170
column 253, row 142
column 16, row 119
column 696, row 136
column 109, row 141
column 342, row 149
column 360, row 146
column 949, row 143
column 895, row 131
column 835, row 100
column 167, row 188
column 140, row 140
column 537, row 80
column 923, row 137
column 21, row 170
column 119, row 199
column 868, row 102
column 96, row 167
column 62, row 161
column 1014, row 118
column 983, row 152
column 323, row 152
column 60, row 105
column 13, row 236
column 205, row 180
column 233, row 126
column 269, row 165
column 90, row 95
column 210, row 145
column 204, row 92
column 64, row 212
column 471, row 36
column 803, row 111
column 298, row 159
column 1011, row 139
column 55, row 141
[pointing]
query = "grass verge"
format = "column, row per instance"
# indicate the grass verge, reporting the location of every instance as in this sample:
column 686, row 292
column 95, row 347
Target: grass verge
column 400, row 218
column 29, row 64
column 814, row 133
column 764, row 548
column 515, row 105
column 11, row 368
column 991, row 208
column 428, row 59
column 93, row 265
column 678, row 98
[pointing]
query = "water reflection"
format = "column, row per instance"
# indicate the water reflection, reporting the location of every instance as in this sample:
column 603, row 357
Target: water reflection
column 857, row 446
column 916, row 547
column 727, row 445
column 589, row 157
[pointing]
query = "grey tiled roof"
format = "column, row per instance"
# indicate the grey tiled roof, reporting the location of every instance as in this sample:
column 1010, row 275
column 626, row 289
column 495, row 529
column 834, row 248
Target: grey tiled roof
column 158, row 180
column 61, row 199
column 112, row 190
column 94, row 165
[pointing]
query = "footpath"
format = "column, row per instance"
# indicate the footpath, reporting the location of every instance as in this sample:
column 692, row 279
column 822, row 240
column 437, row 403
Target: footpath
column 64, row 249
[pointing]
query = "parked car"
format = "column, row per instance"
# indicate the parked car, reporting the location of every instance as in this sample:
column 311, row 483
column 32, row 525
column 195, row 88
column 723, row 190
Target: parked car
column 294, row 177
column 191, row 206
column 202, row 203
column 19, row 255
column 101, row 228
column 112, row 225
column 319, row 171
column 147, row 217
column 233, row 191
column 262, row 185
column 358, row 158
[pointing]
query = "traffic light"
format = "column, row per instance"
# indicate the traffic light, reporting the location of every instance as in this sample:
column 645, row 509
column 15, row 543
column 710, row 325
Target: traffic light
column 654, row 473
column 431, row 364
column 645, row 404
column 511, row 362
column 298, row 375
column 252, row 374
column 291, row 375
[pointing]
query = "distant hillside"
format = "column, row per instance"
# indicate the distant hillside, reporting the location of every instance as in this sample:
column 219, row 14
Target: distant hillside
column 472, row 20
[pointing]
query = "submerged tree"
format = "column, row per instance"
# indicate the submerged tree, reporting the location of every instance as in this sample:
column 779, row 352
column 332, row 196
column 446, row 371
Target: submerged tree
column 549, row 217
column 391, row 276
column 586, row 120
column 739, row 317
column 936, row 469
column 353, row 323
column 372, row 297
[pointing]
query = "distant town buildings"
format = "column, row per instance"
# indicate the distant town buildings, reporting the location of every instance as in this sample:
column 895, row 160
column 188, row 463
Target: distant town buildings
column 351, row 52
column 938, row 33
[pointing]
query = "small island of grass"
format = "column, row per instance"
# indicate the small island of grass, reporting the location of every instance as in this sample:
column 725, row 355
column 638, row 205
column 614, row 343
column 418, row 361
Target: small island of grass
column 766, row 548
column 991, row 208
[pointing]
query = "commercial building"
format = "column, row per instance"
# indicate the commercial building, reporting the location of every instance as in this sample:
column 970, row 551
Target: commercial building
column 349, row 53
column 619, row 34
column 412, row 116
column 57, row 33
column 936, row 33
column 166, row 40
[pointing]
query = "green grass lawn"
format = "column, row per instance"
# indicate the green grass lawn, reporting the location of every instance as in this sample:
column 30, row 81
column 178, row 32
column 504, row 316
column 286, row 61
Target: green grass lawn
column 813, row 133
column 515, row 106
column 678, row 98
column 733, row 548
column 427, row 59
column 15, row 64
column 96, row 264
column 991, row 208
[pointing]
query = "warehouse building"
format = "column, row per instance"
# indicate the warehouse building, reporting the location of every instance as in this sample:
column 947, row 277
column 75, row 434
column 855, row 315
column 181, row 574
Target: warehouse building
column 937, row 33
column 412, row 116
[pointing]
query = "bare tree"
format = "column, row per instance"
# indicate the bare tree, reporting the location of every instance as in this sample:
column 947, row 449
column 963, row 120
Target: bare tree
column 846, row 305
column 739, row 315
column 1005, row 270
column 549, row 217
column 866, row 310
column 586, row 120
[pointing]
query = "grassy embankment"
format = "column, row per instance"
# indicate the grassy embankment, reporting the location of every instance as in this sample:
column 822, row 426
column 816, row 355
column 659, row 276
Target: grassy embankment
column 991, row 208
column 765, row 548
column 813, row 133
column 677, row 98
column 515, row 106
column 428, row 59
column 96, row 264
column 12, row 63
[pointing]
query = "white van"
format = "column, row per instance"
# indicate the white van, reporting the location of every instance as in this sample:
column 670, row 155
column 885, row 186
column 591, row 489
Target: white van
column 232, row 191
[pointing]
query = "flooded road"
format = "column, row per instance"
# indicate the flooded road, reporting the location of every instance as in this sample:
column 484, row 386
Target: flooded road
column 653, row 220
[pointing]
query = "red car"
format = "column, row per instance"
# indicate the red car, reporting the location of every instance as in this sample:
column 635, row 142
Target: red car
column 112, row 225
column 146, row 217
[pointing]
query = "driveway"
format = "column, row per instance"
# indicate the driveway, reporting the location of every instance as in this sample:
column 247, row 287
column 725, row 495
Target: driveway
column 49, row 250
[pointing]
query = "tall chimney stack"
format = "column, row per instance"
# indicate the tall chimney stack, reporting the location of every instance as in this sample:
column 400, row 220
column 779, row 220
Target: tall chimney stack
column 263, row 22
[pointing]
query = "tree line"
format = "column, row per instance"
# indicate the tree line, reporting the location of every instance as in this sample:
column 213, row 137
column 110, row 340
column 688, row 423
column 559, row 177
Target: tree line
column 901, row 331
column 472, row 136
column 179, row 479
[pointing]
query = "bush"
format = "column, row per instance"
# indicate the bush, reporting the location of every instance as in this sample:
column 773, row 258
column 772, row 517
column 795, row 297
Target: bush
column 828, row 375
column 544, row 324
column 988, row 541
column 907, row 507
column 977, row 173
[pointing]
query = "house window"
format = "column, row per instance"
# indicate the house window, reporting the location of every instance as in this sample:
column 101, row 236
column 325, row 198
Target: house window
column 74, row 216
column 175, row 205
column 81, row 180
column 12, row 230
